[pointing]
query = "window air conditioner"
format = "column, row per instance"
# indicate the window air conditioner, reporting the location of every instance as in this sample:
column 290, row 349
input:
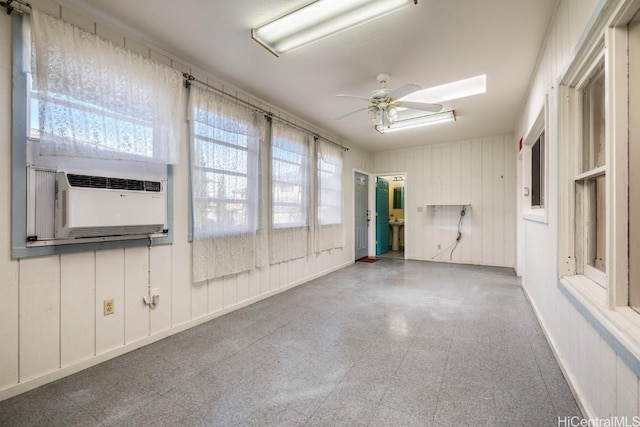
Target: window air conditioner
column 98, row 206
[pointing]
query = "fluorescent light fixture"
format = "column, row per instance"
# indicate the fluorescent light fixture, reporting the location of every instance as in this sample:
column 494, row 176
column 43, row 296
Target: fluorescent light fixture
column 454, row 90
column 321, row 19
column 420, row 121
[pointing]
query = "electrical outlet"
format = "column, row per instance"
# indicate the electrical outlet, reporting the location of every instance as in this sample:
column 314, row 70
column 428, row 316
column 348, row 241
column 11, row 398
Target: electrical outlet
column 109, row 306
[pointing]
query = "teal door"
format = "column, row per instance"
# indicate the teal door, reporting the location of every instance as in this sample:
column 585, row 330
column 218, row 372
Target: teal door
column 382, row 216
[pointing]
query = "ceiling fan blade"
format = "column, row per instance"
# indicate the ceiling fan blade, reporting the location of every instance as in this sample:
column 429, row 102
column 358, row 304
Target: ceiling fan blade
column 352, row 112
column 434, row 108
column 344, row 95
column 403, row 91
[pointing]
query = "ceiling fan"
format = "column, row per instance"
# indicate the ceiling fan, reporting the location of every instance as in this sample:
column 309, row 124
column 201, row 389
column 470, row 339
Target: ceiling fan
column 384, row 102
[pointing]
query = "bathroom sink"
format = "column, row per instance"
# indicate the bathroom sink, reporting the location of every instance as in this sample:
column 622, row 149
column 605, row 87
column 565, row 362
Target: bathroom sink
column 395, row 233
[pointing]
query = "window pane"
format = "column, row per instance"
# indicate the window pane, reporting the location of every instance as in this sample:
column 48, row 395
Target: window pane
column 220, row 156
column 224, row 175
column 212, row 215
column 329, row 164
column 96, row 100
column 595, row 223
column 290, row 184
column 593, row 122
column 537, row 172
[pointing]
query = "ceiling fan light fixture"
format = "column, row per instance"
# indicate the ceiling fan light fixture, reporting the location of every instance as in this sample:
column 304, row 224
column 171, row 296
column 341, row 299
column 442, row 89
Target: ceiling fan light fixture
column 374, row 115
column 320, row 19
column 392, row 114
column 420, row 121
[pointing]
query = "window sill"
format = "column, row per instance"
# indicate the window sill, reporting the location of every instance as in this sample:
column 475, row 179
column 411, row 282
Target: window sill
column 619, row 328
column 537, row 215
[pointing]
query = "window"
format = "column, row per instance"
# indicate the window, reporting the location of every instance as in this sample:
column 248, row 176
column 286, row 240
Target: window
column 329, row 230
column 590, row 181
column 290, row 176
column 225, row 184
column 83, row 103
column 533, row 163
column 94, row 99
column 599, row 99
column 225, row 175
column 329, row 183
column 537, row 172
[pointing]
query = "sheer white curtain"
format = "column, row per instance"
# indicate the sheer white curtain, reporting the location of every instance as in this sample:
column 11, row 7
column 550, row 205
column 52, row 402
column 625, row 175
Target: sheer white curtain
column 329, row 231
column 225, row 185
column 99, row 100
column 290, row 193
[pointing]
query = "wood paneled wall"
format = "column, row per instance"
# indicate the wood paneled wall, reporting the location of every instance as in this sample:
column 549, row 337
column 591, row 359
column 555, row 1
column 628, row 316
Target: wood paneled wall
column 51, row 308
column 481, row 172
column 603, row 382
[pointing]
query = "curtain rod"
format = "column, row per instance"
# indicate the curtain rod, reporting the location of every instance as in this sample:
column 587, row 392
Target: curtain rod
column 189, row 78
column 7, row 5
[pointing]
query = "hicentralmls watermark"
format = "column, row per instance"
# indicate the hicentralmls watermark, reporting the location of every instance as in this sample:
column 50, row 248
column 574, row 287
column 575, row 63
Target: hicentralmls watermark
column 599, row 422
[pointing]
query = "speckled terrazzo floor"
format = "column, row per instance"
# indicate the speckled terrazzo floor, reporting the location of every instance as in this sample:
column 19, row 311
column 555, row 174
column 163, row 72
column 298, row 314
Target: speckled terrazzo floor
column 391, row 343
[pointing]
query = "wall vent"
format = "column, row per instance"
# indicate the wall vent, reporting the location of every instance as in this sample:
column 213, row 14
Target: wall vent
column 99, row 206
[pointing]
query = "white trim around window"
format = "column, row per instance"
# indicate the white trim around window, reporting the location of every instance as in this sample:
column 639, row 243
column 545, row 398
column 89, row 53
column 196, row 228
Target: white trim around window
column 603, row 290
column 536, row 135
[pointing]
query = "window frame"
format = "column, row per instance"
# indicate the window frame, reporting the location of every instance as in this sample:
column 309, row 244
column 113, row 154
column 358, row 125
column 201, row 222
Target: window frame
column 305, row 203
column 633, row 285
column 606, row 310
column 583, row 178
column 253, row 185
column 608, row 45
column 538, row 170
column 531, row 212
column 21, row 247
column 339, row 177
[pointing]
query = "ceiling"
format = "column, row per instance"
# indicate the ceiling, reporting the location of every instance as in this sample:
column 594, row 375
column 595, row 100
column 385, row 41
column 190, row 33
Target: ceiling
column 429, row 44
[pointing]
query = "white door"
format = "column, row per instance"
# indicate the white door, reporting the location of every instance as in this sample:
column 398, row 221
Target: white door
column 361, row 182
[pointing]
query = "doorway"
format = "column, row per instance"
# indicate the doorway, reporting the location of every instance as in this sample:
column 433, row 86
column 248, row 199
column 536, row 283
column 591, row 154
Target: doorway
column 382, row 215
column 390, row 215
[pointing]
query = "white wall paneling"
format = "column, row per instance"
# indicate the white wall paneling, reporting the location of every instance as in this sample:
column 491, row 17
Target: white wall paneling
column 109, row 284
column 181, row 289
column 77, row 307
column 480, row 172
column 136, row 280
column 199, row 299
column 39, row 316
column 242, row 287
column 626, row 391
column 160, row 279
column 602, row 381
column 216, row 295
column 51, row 311
column 230, row 291
column 9, row 269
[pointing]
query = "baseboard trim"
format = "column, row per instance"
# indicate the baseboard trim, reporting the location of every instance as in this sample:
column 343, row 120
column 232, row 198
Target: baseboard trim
column 575, row 390
column 59, row 373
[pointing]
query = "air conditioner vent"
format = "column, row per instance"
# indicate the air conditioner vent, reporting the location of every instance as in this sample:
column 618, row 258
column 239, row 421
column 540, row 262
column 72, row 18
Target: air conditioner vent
column 94, row 206
column 91, row 181
column 153, row 186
